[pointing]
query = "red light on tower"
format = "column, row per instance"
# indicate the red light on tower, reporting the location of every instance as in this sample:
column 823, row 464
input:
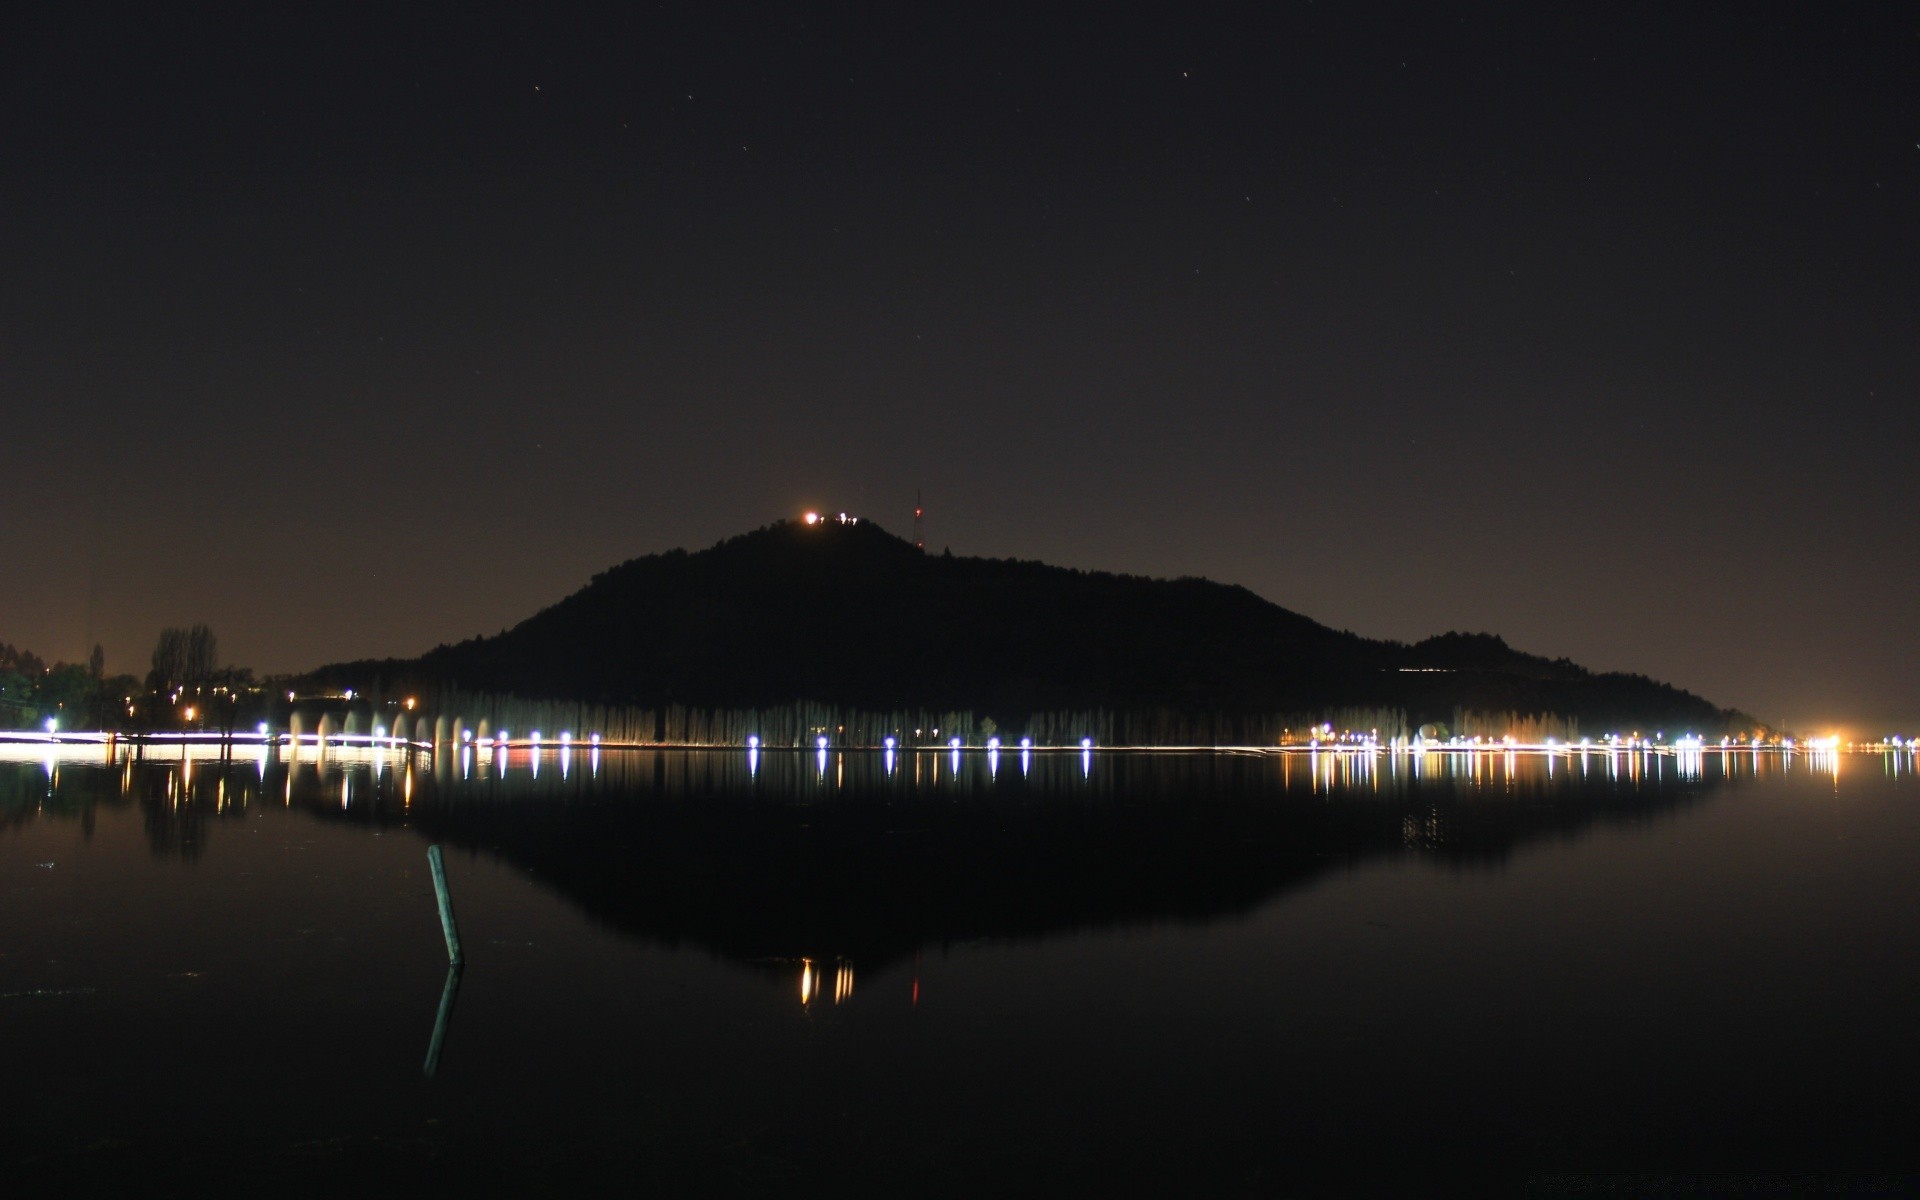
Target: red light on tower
column 919, row 543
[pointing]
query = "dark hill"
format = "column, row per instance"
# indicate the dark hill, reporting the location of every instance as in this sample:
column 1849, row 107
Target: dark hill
column 851, row 615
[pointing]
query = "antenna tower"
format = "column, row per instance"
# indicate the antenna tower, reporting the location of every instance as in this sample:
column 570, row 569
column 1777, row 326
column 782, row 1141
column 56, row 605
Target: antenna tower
column 919, row 543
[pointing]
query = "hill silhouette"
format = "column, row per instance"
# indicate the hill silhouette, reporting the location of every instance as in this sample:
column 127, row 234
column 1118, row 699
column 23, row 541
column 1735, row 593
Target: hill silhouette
column 849, row 614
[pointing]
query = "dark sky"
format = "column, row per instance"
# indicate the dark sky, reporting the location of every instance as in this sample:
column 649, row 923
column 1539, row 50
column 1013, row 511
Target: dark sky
column 1597, row 326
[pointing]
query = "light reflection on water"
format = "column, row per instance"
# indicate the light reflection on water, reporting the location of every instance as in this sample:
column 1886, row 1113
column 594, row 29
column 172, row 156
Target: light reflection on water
column 394, row 783
column 199, row 785
column 551, row 769
column 1119, row 929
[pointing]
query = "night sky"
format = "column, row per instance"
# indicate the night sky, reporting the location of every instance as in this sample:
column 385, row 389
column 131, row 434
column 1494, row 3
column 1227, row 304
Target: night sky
column 1596, row 326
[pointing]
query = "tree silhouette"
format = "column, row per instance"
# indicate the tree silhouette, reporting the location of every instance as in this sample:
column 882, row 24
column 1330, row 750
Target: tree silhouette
column 182, row 657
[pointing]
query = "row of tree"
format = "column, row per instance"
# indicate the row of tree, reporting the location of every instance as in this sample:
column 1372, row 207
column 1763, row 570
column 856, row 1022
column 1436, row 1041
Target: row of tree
column 185, row 686
column 72, row 695
column 446, row 712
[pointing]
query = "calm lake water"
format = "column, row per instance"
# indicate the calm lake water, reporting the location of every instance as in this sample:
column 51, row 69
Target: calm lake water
column 1216, row 973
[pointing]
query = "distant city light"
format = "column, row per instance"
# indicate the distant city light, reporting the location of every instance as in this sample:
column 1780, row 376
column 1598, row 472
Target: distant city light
column 1086, row 743
column 821, row 741
column 753, row 740
column 812, row 518
column 954, row 742
column 888, row 743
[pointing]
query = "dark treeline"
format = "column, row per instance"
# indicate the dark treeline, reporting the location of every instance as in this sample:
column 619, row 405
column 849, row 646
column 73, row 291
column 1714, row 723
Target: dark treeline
column 445, row 714
column 73, row 695
column 865, row 624
column 185, row 687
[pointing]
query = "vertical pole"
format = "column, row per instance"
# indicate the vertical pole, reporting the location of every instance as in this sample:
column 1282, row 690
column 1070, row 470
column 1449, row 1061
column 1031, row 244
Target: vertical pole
column 441, row 1020
column 446, row 907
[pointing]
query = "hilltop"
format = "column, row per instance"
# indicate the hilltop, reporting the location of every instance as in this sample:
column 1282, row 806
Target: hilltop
column 845, row 613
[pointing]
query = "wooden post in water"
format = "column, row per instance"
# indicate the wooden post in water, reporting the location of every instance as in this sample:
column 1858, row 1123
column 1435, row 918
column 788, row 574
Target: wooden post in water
column 447, row 926
column 441, row 1019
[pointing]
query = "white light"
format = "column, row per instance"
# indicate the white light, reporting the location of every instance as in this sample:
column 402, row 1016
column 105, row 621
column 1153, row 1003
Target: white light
column 536, row 737
column 888, row 743
column 954, row 742
column 993, row 743
column 1026, row 743
column 753, row 741
column 263, row 729
column 1086, row 743
column 566, row 736
column 53, row 723
column 821, row 741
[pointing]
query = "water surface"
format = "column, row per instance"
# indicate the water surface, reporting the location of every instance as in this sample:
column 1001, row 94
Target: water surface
column 793, row 971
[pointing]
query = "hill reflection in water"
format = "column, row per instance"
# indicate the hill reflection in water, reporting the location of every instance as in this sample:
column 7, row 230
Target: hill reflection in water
column 1682, row 988
column 866, row 857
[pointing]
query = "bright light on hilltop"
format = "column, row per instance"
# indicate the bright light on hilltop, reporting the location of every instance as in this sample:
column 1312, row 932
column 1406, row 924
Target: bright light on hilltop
column 812, row 518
